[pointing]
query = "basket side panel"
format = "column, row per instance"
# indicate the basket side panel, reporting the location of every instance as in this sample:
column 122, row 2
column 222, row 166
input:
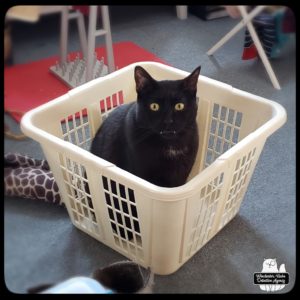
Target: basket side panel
column 223, row 132
column 241, row 170
column 76, row 128
column 203, row 121
column 218, row 200
column 125, row 213
column 83, row 108
column 80, row 126
column 167, row 231
column 202, row 210
column 106, row 206
column 232, row 116
column 79, row 196
column 71, row 180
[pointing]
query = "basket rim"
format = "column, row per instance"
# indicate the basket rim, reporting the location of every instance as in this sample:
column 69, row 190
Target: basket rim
column 29, row 128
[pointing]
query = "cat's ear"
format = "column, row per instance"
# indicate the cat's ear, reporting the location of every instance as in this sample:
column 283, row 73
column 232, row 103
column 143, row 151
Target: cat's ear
column 142, row 78
column 190, row 82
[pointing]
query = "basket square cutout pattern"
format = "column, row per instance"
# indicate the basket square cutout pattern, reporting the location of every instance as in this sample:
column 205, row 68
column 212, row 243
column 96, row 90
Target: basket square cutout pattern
column 123, row 217
column 224, row 132
column 237, row 187
column 76, row 183
column 76, row 129
column 204, row 220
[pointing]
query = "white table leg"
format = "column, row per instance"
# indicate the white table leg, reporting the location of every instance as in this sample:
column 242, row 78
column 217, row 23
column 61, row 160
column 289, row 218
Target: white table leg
column 82, row 34
column 235, row 29
column 108, row 39
column 260, row 50
column 64, row 26
column 181, row 11
column 91, row 42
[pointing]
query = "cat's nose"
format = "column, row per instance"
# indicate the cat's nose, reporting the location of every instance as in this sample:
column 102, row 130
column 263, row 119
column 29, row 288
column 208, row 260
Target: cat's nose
column 168, row 121
column 168, row 124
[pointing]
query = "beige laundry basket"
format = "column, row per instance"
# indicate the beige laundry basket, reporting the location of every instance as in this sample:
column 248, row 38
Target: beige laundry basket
column 154, row 226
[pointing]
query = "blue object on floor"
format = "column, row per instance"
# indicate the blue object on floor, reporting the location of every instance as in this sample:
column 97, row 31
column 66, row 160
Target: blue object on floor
column 78, row 285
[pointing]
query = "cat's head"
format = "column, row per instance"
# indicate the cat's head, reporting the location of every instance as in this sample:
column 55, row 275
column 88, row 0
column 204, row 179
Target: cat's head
column 166, row 107
column 269, row 265
column 125, row 277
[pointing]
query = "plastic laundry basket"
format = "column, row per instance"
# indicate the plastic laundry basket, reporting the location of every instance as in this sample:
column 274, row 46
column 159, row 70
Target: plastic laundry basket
column 154, row 226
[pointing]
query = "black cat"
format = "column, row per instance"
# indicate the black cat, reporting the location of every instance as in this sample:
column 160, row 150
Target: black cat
column 156, row 137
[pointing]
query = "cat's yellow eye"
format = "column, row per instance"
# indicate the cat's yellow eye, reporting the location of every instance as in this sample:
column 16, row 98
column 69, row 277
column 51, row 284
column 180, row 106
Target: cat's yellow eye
column 179, row 106
column 154, row 106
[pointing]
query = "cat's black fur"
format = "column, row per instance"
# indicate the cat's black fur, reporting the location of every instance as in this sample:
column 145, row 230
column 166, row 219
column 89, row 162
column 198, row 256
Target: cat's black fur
column 158, row 146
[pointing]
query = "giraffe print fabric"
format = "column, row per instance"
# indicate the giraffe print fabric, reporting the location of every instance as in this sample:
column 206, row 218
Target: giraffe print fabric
column 27, row 177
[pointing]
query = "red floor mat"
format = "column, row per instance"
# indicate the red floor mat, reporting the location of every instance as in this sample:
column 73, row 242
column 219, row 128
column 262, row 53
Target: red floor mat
column 29, row 85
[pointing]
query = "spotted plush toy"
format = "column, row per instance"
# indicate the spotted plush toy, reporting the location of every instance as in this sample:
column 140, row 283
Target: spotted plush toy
column 29, row 178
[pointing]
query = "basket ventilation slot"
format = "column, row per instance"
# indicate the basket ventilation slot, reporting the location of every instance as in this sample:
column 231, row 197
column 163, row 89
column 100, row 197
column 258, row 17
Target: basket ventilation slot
column 109, row 103
column 76, row 129
column 201, row 228
column 123, row 217
column 237, row 187
column 79, row 195
column 223, row 133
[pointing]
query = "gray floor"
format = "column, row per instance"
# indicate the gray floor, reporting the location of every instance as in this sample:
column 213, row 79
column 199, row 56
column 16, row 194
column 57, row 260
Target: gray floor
column 41, row 245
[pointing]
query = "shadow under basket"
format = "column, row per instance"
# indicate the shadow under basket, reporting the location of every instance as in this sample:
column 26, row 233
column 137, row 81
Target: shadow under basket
column 157, row 227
